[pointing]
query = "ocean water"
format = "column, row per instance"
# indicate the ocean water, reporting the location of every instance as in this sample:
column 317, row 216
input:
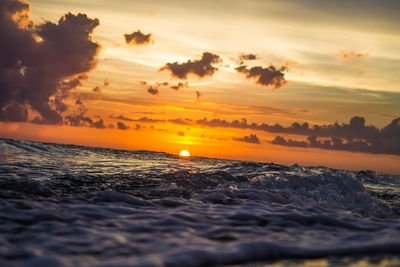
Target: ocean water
column 67, row 205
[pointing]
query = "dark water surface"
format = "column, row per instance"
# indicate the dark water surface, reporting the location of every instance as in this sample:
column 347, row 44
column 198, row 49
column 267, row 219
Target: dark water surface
column 66, row 205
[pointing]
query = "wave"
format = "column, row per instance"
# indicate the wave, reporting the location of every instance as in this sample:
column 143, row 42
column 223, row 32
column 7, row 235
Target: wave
column 66, row 205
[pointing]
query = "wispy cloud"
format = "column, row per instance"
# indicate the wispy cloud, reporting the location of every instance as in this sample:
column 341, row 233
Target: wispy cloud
column 349, row 57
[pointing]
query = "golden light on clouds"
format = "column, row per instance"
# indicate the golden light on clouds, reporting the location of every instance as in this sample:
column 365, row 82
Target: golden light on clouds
column 326, row 70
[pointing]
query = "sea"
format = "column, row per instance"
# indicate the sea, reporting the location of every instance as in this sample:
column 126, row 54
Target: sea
column 69, row 205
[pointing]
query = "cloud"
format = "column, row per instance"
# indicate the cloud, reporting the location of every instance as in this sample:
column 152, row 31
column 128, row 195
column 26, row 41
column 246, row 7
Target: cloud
column 181, row 133
column 41, row 63
column 279, row 140
column 81, row 120
column 224, row 123
column 106, row 82
column 162, row 84
column 122, row 126
column 97, row 90
column 352, row 136
column 180, row 86
column 349, row 57
column 153, row 90
column 121, row 117
column 252, row 138
column 98, row 124
column 334, row 144
column 355, row 129
column 248, row 56
column 198, row 95
column 343, row 54
column 145, row 119
column 139, row 38
column 182, row 121
column 243, row 57
column 200, row 68
column 269, row 76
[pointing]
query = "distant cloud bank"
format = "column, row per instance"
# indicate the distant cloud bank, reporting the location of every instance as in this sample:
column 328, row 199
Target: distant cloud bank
column 355, row 136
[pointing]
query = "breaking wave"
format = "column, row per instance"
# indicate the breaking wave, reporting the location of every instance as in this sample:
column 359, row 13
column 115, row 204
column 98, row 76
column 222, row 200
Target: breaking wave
column 66, row 205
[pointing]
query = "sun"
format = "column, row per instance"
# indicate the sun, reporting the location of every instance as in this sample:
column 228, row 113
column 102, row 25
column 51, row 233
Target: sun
column 184, row 153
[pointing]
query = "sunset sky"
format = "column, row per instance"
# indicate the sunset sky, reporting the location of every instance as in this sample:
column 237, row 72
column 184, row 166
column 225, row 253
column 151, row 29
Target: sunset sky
column 231, row 79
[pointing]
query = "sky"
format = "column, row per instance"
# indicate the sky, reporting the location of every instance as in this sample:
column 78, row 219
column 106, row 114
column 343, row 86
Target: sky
column 308, row 82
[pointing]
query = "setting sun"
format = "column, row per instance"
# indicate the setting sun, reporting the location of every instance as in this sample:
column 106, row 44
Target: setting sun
column 184, row 153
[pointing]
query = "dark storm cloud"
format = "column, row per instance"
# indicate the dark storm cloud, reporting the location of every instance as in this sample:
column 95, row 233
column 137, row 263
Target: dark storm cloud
column 252, row 138
column 122, row 126
column 138, row 38
column 200, row 68
column 352, row 136
column 41, row 64
column 269, row 76
column 179, row 86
